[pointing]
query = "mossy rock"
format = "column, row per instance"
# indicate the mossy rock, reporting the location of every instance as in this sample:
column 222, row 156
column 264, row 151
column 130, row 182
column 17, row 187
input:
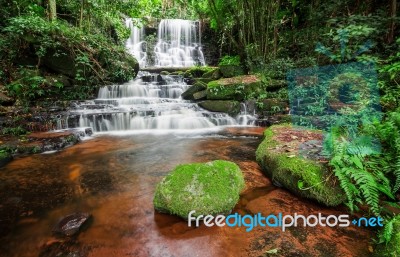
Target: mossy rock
column 197, row 87
column 275, row 84
column 280, row 160
column 164, row 72
column 237, row 88
column 229, row 71
column 392, row 248
column 207, row 188
column 198, row 72
column 201, row 95
column 204, row 80
column 227, row 106
column 213, row 74
column 274, row 105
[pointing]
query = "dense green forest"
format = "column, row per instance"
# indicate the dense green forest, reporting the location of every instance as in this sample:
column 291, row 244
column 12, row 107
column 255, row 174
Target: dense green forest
column 59, row 50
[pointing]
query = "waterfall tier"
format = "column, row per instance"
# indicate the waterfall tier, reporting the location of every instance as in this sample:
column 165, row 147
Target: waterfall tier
column 178, row 44
column 155, row 105
column 136, row 44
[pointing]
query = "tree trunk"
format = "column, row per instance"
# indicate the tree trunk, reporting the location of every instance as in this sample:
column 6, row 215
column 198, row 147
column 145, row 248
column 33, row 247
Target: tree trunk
column 52, row 10
column 392, row 27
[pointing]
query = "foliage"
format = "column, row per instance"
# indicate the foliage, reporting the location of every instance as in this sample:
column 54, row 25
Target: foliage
column 389, row 238
column 91, row 60
column 15, row 131
column 229, row 60
column 366, row 172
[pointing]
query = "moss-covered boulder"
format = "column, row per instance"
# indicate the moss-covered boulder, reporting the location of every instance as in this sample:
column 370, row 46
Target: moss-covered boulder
column 280, row 159
column 228, row 106
column 229, row 71
column 237, row 88
column 207, row 188
column 197, row 87
column 213, row 74
column 204, row 80
column 198, row 72
column 392, row 248
column 200, row 95
column 274, row 106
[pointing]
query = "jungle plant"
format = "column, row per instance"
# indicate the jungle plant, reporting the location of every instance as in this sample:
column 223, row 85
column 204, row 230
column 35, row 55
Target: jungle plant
column 229, row 60
column 362, row 184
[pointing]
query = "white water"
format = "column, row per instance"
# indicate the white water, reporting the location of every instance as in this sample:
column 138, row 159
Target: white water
column 156, row 106
column 178, row 44
column 135, row 44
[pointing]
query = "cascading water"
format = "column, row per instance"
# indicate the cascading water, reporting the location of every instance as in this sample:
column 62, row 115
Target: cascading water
column 153, row 105
column 178, row 44
column 135, row 44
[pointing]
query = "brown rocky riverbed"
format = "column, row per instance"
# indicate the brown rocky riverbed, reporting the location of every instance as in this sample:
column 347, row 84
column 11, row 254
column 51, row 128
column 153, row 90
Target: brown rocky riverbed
column 113, row 178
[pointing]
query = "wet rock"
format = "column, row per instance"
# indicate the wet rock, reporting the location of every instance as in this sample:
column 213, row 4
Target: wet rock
column 200, row 95
column 188, row 94
column 70, row 225
column 229, row 107
column 206, row 188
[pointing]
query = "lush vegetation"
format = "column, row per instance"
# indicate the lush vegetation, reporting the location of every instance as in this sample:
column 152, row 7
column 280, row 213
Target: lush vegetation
column 62, row 50
column 64, row 54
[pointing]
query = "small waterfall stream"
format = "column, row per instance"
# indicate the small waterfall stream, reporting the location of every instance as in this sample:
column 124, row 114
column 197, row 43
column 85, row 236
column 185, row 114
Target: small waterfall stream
column 152, row 105
column 135, row 44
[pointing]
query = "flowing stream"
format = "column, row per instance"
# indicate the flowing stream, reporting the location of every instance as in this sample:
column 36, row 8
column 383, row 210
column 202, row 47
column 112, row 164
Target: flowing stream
column 113, row 177
column 155, row 105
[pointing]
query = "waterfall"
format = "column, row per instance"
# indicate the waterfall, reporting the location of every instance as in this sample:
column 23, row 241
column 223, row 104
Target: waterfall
column 135, row 44
column 143, row 106
column 178, row 44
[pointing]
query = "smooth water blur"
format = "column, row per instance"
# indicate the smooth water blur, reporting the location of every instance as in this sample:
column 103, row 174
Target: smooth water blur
column 113, row 177
column 151, row 106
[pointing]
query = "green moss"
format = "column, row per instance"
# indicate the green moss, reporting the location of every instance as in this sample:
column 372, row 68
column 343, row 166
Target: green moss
column 227, row 106
column 289, row 170
column 207, row 188
column 198, row 72
column 237, row 88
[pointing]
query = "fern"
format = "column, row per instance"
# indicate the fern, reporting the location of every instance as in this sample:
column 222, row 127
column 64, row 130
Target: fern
column 386, row 233
column 360, row 183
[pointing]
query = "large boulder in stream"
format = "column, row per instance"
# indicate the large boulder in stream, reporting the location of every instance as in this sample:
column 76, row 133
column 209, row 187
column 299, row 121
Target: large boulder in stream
column 236, row 88
column 206, row 188
column 292, row 158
